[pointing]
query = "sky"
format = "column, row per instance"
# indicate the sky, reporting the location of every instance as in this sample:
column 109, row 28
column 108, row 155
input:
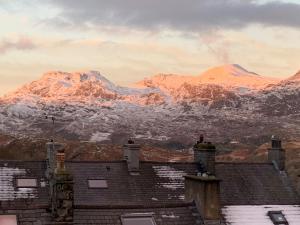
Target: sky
column 128, row 40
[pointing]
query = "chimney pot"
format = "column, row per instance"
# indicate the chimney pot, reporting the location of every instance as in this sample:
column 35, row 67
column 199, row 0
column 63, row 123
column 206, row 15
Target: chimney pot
column 205, row 154
column 60, row 161
column 52, row 149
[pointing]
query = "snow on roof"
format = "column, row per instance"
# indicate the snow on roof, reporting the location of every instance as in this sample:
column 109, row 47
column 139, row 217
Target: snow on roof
column 174, row 177
column 7, row 189
column 258, row 214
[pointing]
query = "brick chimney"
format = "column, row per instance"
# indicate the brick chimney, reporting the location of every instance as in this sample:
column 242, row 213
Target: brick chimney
column 276, row 154
column 205, row 191
column 205, row 155
column 131, row 153
column 52, row 148
column 61, row 191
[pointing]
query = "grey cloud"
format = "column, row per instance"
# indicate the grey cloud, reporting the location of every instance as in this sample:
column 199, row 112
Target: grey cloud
column 187, row 15
column 21, row 44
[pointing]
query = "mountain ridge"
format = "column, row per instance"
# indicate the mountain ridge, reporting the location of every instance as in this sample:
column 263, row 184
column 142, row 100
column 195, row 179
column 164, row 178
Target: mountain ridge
column 89, row 107
column 232, row 76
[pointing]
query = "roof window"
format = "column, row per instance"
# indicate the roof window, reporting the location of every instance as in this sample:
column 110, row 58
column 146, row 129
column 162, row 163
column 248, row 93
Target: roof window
column 26, row 182
column 97, row 183
column 8, row 219
column 138, row 219
column 277, row 217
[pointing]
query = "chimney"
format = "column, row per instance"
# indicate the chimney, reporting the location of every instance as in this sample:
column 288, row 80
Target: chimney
column 60, row 161
column 52, row 148
column 276, row 154
column 131, row 155
column 61, row 191
column 205, row 156
column 205, row 191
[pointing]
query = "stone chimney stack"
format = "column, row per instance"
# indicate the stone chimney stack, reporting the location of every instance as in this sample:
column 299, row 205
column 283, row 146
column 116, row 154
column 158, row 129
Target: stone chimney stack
column 205, row 191
column 61, row 191
column 205, row 155
column 276, row 154
column 132, row 155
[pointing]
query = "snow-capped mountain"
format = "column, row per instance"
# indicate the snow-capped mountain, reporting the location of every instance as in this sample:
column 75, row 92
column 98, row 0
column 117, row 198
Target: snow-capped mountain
column 235, row 76
column 59, row 85
column 295, row 78
column 232, row 77
column 281, row 98
column 226, row 103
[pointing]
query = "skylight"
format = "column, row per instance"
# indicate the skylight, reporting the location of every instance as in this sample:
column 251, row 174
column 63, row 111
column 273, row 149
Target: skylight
column 277, row 217
column 8, row 220
column 97, row 183
column 138, row 219
column 26, row 182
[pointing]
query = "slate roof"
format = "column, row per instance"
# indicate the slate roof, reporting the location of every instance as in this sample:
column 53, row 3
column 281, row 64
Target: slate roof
column 180, row 215
column 159, row 184
column 254, row 184
column 16, row 198
column 177, row 215
column 258, row 214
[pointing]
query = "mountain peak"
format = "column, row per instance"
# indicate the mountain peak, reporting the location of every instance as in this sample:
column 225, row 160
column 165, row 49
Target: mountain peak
column 57, row 84
column 230, row 69
column 295, row 77
column 235, row 76
column 76, row 76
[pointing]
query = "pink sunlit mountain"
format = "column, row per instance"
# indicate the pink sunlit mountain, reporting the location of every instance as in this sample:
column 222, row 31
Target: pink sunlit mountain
column 223, row 101
column 231, row 76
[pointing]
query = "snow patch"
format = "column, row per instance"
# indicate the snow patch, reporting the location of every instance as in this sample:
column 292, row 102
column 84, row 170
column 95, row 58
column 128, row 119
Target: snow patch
column 7, row 189
column 258, row 214
column 170, row 216
column 99, row 136
column 174, row 178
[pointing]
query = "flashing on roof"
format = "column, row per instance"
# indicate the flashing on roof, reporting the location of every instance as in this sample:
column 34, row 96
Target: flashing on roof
column 97, row 183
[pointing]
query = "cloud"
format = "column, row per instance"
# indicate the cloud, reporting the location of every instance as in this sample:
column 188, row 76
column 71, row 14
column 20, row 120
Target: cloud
column 22, row 43
column 187, row 15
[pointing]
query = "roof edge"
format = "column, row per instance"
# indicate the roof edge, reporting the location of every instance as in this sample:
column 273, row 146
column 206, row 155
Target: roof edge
column 170, row 205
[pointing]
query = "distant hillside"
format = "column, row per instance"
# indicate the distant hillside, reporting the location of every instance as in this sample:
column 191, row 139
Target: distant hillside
column 229, row 104
column 34, row 149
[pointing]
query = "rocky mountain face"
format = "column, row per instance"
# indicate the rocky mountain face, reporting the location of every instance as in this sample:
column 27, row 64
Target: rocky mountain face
column 230, row 105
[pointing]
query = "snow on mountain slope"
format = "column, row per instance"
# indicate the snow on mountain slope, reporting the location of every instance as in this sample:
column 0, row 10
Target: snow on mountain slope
column 169, row 108
column 165, row 82
column 57, row 85
column 235, row 76
column 282, row 98
column 232, row 77
column 296, row 77
column 92, row 87
column 88, row 87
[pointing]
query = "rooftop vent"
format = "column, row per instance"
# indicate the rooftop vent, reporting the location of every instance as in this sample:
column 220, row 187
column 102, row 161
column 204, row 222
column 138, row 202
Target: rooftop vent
column 277, row 217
